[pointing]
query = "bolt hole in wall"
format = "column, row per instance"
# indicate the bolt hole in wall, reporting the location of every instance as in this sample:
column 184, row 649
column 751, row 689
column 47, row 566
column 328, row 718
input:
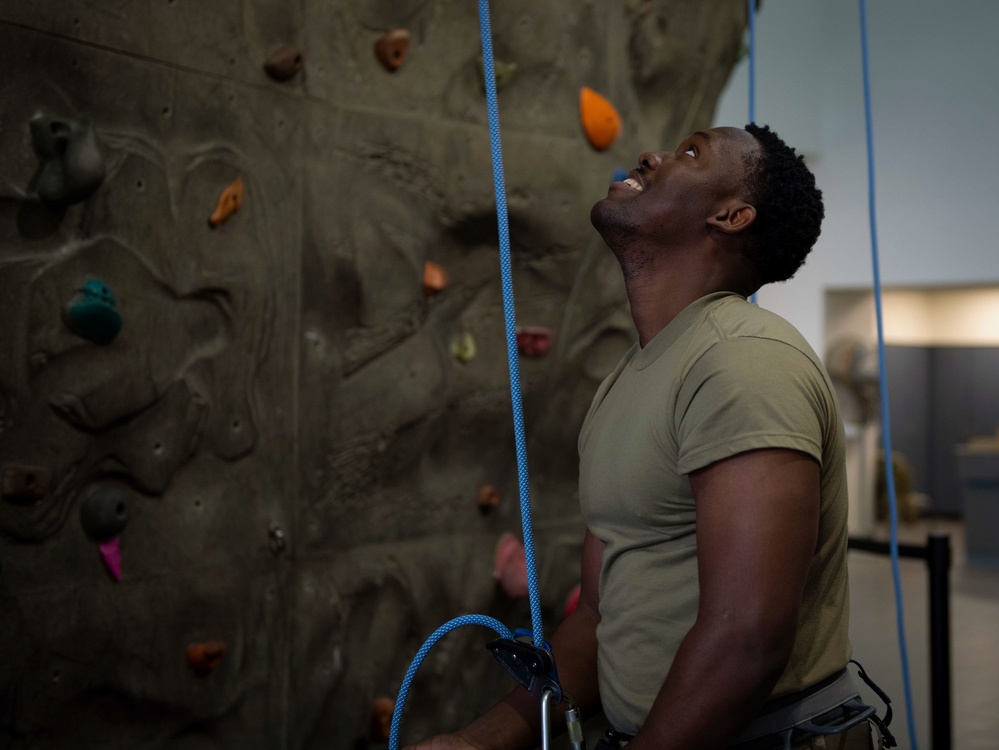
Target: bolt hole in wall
column 942, row 361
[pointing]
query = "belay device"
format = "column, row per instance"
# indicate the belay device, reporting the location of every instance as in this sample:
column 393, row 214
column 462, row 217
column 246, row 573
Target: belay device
column 534, row 668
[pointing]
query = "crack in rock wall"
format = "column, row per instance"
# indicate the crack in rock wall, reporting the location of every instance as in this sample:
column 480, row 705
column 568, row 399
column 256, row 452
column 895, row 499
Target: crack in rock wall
column 242, row 458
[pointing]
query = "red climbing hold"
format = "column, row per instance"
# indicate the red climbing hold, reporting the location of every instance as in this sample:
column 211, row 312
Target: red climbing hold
column 391, row 49
column 284, row 63
column 381, row 719
column 534, row 341
column 510, row 566
column 571, row 602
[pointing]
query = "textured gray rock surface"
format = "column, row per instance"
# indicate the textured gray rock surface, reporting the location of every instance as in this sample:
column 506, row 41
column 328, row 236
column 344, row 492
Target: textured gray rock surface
column 283, row 375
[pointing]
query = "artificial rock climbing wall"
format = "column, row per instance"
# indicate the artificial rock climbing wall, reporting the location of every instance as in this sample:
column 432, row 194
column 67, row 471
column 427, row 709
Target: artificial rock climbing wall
column 247, row 433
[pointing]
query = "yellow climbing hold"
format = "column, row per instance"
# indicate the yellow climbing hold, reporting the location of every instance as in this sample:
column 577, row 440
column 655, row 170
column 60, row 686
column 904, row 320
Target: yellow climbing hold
column 463, row 347
column 601, row 122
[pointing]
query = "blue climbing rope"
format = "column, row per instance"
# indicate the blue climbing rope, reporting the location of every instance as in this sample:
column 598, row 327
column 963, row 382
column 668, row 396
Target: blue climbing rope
column 752, row 60
column 751, row 6
column 885, row 417
column 400, row 703
column 511, row 319
column 506, row 271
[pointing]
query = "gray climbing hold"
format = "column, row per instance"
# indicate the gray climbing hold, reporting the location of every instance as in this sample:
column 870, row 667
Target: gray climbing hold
column 104, row 512
column 72, row 167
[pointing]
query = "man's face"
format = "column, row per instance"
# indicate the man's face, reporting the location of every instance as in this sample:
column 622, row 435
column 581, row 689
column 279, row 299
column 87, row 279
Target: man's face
column 672, row 194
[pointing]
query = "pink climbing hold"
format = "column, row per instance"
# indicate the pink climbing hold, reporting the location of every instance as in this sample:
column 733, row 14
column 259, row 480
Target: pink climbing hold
column 510, row 566
column 111, row 554
column 571, row 602
column 534, row 341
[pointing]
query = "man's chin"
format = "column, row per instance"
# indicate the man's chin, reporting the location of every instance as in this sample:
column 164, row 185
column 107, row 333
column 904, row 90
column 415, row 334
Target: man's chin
column 598, row 214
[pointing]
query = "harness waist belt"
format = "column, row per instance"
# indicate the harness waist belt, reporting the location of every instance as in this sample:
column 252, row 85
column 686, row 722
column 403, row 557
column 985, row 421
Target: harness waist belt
column 783, row 714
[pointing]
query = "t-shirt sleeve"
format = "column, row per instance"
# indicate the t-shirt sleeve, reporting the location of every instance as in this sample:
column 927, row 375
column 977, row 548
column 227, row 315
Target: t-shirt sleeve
column 745, row 394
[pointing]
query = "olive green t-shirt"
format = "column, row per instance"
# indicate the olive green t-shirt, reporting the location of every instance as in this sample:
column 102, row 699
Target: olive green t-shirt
column 724, row 377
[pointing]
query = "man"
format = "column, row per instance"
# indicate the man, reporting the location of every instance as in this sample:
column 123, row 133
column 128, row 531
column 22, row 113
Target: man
column 712, row 478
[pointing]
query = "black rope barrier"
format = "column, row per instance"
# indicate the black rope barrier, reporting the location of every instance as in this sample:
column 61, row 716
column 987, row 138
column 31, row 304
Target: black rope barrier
column 937, row 554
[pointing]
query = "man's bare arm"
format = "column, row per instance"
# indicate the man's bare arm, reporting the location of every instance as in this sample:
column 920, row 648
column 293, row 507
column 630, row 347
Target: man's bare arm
column 757, row 527
column 515, row 722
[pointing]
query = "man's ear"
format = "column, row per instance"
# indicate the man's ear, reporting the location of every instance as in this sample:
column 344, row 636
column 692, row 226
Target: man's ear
column 733, row 217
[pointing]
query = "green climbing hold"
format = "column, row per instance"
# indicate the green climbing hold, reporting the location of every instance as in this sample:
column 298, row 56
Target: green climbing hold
column 502, row 70
column 92, row 312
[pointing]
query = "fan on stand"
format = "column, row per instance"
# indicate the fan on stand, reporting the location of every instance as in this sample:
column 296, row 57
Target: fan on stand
column 854, row 372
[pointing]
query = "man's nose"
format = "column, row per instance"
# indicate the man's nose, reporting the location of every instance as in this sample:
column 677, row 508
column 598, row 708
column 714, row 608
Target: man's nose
column 650, row 160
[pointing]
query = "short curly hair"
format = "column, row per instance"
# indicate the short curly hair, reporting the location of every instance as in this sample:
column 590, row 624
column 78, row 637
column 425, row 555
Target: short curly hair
column 788, row 206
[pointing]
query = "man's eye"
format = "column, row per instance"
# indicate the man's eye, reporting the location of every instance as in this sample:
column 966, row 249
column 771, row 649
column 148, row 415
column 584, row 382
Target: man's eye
column 690, row 150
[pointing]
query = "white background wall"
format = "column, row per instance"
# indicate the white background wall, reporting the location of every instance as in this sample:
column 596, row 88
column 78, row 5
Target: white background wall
column 934, row 71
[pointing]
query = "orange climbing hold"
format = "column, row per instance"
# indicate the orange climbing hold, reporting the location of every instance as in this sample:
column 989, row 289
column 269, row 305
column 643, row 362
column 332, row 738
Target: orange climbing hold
column 204, row 658
column 435, row 279
column 229, row 203
column 24, row 484
column 489, row 498
column 381, row 719
column 391, row 49
column 600, row 120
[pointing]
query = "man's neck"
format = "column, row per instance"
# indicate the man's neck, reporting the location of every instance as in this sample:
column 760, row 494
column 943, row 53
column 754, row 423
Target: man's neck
column 657, row 294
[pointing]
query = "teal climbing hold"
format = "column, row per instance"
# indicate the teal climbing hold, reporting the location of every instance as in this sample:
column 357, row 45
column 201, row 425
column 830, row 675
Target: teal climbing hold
column 93, row 314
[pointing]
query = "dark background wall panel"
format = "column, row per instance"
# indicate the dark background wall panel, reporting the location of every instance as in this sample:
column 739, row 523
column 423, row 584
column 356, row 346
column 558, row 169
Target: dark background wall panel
column 230, row 40
column 909, row 371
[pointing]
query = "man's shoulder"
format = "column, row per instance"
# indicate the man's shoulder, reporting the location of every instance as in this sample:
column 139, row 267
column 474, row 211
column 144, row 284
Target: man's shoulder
column 735, row 320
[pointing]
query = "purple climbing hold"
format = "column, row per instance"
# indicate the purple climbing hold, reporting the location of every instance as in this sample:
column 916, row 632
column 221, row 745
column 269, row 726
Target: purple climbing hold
column 111, row 555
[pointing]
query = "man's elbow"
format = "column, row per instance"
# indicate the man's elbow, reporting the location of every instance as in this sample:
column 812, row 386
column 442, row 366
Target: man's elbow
column 761, row 644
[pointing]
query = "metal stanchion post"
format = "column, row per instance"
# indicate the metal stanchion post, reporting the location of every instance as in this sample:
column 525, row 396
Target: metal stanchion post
column 938, row 558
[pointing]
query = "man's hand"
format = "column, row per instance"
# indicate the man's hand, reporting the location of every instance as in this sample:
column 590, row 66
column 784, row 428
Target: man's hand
column 515, row 722
column 445, row 742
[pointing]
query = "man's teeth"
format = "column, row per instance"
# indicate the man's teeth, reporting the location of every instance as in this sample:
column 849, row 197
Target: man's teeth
column 633, row 184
